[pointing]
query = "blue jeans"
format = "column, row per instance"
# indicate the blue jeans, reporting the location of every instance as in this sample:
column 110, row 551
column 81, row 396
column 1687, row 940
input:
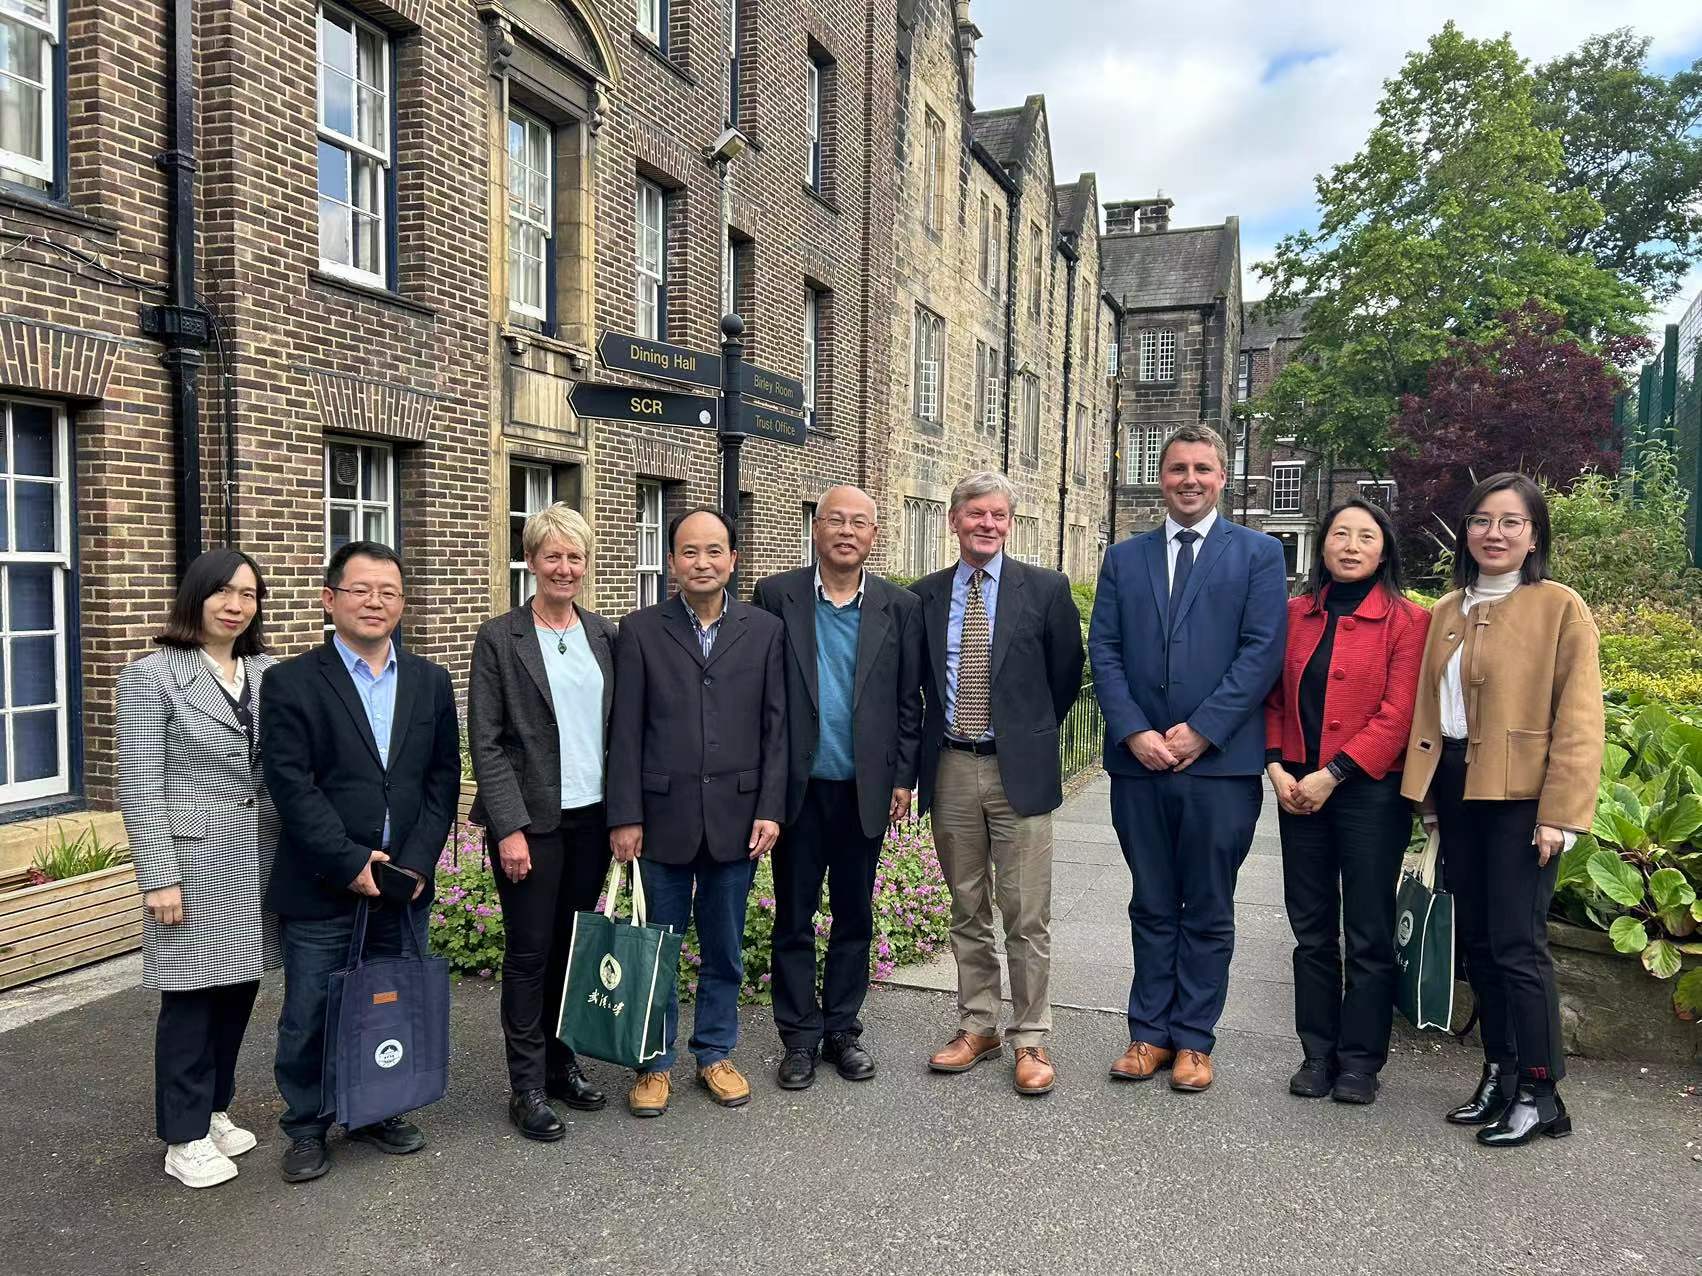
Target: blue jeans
column 722, row 890
column 315, row 948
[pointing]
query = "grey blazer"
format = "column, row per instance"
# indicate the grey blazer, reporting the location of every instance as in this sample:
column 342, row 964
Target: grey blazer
column 198, row 816
column 511, row 722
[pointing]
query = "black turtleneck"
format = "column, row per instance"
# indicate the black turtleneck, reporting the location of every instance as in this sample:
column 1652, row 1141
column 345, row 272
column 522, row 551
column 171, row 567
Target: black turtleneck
column 1340, row 599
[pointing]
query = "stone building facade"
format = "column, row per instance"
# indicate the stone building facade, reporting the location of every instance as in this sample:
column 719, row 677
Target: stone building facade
column 1178, row 290
column 417, row 222
column 998, row 330
column 1285, row 489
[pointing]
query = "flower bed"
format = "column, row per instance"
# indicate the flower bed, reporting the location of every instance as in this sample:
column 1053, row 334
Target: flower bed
column 911, row 907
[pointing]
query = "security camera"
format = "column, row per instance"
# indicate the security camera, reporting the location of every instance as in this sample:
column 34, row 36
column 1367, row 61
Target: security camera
column 729, row 146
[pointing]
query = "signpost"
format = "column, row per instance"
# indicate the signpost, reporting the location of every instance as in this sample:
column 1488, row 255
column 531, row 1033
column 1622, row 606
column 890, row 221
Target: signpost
column 771, row 387
column 625, row 353
column 634, row 403
column 778, row 416
column 780, row 427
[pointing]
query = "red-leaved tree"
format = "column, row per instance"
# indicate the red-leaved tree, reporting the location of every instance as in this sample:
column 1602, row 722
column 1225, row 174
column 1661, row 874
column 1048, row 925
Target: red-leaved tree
column 1531, row 398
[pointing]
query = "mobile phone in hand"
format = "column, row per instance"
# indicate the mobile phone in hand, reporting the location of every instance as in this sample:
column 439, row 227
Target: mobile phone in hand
column 393, row 884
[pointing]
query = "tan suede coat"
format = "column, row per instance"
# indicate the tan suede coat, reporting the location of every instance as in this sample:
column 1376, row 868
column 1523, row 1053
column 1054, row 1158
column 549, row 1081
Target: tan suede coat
column 1533, row 690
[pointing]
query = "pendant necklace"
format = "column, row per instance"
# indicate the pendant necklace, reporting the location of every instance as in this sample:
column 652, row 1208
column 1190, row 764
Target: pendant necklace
column 561, row 634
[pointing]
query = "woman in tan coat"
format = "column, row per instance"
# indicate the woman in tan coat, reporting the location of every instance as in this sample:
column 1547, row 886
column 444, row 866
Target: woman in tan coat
column 1505, row 756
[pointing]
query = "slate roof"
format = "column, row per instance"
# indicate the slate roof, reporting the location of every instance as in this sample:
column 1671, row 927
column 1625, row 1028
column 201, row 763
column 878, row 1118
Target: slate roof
column 1261, row 332
column 1004, row 133
column 1186, row 266
column 1067, row 201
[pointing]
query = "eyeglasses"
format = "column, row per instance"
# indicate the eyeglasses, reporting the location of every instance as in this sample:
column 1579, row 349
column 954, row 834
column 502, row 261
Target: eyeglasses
column 1510, row 524
column 366, row 593
column 838, row 522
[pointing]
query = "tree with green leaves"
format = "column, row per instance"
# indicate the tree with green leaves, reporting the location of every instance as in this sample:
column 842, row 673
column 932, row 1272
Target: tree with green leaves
column 1633, row 140
column 1448, row 217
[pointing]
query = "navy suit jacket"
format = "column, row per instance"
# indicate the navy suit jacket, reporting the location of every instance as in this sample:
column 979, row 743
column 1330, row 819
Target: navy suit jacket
column 1211, row 667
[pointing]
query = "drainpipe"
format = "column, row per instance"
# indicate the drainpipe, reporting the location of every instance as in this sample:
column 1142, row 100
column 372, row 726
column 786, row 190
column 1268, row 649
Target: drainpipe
column 1116, row 426
column 1072, row 260
column 1013, row 246
column 180, row 323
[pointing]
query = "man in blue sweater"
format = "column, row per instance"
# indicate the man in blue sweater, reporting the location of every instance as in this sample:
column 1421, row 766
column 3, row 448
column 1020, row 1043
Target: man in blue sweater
column 854, row 724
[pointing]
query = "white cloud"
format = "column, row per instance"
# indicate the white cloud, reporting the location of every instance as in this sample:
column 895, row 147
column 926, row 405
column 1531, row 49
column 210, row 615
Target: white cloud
column 1236, row 107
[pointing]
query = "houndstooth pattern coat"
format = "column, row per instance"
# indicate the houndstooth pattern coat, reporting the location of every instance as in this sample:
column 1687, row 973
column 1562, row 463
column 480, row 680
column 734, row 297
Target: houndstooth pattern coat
column 198, row 816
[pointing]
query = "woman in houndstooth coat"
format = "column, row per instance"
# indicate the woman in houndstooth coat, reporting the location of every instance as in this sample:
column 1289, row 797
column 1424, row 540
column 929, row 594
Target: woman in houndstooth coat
column 202, row 831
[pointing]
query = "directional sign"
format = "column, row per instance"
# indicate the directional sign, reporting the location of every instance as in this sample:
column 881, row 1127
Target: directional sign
column 632, row 403
column 760, row 383
column 782, row 427
column 659, row 359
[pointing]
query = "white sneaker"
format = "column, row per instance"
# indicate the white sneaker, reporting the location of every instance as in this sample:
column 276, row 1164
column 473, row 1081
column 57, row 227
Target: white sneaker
column 229, row 1137
column 198, row 1164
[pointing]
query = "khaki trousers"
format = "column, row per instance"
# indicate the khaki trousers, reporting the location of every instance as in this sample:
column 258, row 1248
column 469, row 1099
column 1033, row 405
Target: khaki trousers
column 986, row 847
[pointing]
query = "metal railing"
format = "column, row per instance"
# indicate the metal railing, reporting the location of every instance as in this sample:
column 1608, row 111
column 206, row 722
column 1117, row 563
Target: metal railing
column 1081, row 740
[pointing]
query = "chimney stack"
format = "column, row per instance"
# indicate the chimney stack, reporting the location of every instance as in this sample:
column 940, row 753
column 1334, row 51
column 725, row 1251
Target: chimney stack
column 1139, row 216
column 967, row 34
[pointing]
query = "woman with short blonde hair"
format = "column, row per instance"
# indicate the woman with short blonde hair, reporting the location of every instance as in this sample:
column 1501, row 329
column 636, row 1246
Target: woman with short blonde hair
column 543, row 680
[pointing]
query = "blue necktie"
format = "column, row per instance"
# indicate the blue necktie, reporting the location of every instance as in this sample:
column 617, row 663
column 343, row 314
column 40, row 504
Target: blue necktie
column 1179, row 578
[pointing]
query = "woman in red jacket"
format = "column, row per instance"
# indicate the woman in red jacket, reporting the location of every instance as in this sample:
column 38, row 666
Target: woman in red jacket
column 1336, row 727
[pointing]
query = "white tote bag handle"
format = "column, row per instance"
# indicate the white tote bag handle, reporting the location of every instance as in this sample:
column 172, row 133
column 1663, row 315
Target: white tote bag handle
column 612, row 890
column 1427, row 860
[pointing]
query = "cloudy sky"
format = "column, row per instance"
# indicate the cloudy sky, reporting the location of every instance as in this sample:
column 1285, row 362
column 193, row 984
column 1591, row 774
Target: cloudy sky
column 1235, row 106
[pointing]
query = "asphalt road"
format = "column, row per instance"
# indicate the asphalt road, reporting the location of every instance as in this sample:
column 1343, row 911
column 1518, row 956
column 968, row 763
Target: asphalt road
column 910, row 1172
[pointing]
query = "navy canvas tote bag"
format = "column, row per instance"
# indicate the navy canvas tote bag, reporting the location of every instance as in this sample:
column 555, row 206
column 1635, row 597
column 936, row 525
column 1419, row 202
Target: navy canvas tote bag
column 386, row 1031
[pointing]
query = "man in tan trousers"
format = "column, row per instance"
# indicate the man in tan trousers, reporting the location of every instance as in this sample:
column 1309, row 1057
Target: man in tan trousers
column 1004, row 655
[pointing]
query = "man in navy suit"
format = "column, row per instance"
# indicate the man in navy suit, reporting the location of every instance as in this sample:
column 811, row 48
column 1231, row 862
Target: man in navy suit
column 1186, row 639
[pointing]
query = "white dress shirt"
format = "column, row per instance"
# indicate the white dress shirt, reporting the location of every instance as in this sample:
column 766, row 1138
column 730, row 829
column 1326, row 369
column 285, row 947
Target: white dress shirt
column 1173, row 547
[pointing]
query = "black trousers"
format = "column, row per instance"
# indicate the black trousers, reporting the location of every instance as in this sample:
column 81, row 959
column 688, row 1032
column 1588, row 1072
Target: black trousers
column 195, row 1048
column 1339, row 871
column 1501, row 899
column 569, row 868
column 827, row 840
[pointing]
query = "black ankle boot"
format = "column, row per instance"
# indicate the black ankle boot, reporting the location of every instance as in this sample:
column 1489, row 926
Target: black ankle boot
column 1528, row 1115
column 1494, row 1092
column 568, row 1084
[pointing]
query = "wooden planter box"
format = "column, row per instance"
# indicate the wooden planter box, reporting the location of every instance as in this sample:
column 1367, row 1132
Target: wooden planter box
column 59, row 926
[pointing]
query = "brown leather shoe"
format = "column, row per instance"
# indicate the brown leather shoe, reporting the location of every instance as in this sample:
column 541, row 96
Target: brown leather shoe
column 649, row 1094
column 725, row 1084
column 1191, row 1072
column 1140, row 1061
column 1034, row 1071
column 964, row 1051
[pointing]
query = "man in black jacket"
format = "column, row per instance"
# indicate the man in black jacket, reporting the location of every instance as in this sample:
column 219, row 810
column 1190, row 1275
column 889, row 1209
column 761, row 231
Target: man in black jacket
column 697, row 781
column 1004, row 666
column 854, row 721
column 361, row 751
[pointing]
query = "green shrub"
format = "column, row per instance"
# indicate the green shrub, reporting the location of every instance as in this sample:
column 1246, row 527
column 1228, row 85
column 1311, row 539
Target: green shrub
column 1652, row 653
column 911, row 906
column 1637, row 873
column 1623, row 549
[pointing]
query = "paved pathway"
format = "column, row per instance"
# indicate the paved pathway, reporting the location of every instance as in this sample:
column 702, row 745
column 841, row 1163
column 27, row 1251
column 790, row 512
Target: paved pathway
column 1091, row 961
column 909, row 1173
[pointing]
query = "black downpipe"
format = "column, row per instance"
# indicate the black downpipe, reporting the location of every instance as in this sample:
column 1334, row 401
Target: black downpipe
column 181, row 323
column 1116, row 430
column 1013, row 250
column 1072, row 260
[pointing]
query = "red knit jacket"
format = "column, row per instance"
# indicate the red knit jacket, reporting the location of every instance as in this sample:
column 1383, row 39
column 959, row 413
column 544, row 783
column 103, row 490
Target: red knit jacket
column 1373, row 680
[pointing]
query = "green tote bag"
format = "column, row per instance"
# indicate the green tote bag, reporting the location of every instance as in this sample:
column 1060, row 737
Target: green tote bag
column 1424, row 945
column 619, row 976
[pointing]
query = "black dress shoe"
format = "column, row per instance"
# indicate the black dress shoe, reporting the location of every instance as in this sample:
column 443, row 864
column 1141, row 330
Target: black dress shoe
column 305, row 1159
column 394, row 1135
column 798, row 1069
column 1314, row 1079
column 848, row 1054
column 1527, row 1116
column 569, row 1085
column 1355, row 1087
column 533, row 1116
column 1494, row 1092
